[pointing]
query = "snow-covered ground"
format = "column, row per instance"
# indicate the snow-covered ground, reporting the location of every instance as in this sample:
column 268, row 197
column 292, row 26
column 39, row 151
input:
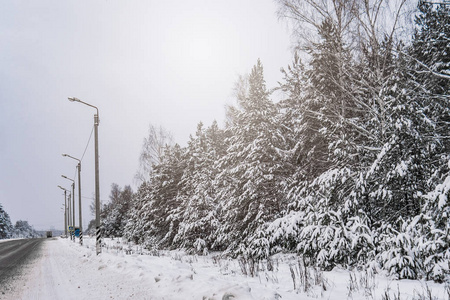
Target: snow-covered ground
column 67, row 270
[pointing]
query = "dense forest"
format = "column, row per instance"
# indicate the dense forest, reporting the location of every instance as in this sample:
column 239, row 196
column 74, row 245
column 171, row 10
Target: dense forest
column 350, row 168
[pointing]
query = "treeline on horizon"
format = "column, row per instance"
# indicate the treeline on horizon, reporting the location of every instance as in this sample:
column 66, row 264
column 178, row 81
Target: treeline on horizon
column 21, row 229
column 350, row 168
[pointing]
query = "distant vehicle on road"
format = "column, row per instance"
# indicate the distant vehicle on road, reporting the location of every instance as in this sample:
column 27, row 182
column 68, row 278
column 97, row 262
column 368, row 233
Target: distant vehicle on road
column 49, row 234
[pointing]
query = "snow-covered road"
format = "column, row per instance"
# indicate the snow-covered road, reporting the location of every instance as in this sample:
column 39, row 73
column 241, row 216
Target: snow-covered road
column 67, row 270
column 16, row 255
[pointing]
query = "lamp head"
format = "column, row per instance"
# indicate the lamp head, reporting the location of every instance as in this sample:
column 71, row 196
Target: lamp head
column 73, row 99
column 64, row 176
column 64, row 155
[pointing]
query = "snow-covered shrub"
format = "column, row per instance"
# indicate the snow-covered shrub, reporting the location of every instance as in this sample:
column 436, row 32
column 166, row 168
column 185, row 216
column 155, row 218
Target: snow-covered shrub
column 200, row 247
column 436, row 265
column 284, row 232
column 322, row 208
column 324, row 240
column 399, row 255
column 362, row 246
column 259, row 246
column 252, row 252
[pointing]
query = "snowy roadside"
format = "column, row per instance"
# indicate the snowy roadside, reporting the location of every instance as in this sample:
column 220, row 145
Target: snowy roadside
column 70, row 271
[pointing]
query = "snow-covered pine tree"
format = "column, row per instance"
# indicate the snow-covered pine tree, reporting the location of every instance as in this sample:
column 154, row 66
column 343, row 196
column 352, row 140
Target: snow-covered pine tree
column 199, row 208
column 165, row 203
column 318, row 106
column 434, row 244
column 283, row 233
column 414, row 158
column 107, row 215
column 393, row 179
column 5, row 224
column 344, row 129
column 155, row 215
column 397, row 252
column 138, row 215
column 326, row 112
column 114, row 214
column 252, row 169
column 430, row 48
column 430, row 82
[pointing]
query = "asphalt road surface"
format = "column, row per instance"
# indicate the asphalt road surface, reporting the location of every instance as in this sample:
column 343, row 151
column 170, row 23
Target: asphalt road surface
column 15, row 256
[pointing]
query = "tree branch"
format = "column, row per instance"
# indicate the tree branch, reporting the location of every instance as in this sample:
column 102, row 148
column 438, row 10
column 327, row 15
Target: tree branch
column 440, row 75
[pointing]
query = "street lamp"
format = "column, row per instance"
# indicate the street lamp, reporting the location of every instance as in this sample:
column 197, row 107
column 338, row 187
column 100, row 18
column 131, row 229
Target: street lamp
column 97, row 180
column 64, row 222
column 72, row 237
column 79, row 196
column 65, row 209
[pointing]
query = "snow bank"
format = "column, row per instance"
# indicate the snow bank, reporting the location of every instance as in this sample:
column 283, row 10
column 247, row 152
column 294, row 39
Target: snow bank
column 70, row 271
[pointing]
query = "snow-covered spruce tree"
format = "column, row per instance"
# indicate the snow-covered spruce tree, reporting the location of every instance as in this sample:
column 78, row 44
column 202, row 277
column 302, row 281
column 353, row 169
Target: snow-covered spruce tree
column 430, row 47
column 5, row 224
column 417, row 107
column 153, row 220
column 318, row 103
column 115, row 213
column 164, row 203
column 283, row 232
column 397, row 252
column 397, row 177
column 435, row 243
column 251, row 171
column 394, row 177
column 414, row 158
column 323, row 191
column 332, row 108
column 138, row 216
column 342, row 128
column 199, row 219
column 430, row 82
column 328, row 235
column 108, row 215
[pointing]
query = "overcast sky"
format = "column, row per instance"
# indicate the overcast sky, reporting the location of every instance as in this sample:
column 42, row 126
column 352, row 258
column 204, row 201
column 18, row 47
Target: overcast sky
column 170, row 63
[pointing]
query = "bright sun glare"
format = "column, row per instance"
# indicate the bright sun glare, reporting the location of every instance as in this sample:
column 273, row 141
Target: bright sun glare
column 200, row 49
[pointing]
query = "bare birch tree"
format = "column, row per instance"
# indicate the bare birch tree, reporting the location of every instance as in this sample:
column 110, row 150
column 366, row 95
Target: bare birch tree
column 157, row 140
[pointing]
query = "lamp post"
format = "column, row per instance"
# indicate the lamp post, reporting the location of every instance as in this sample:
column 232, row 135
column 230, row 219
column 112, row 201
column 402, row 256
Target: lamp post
column 97, row 182
column 64, row 221
column 65, row 209
column 72, row 237
column 79, row 196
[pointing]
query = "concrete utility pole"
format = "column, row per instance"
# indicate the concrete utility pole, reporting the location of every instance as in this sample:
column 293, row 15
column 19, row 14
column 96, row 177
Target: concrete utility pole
column 97, row 180
column 72, row 236
column 69, row 218
column 80, row 225
column 65, row 214
column 65, row 210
